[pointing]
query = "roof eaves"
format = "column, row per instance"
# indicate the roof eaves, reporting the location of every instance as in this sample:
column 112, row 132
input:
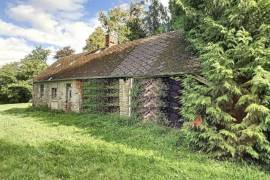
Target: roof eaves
column 107, row 77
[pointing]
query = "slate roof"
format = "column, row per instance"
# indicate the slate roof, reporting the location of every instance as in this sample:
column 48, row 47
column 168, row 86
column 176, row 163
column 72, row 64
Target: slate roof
column 161, row 55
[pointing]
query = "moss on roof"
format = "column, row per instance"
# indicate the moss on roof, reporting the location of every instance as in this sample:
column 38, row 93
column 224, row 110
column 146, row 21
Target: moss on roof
column 164, row 54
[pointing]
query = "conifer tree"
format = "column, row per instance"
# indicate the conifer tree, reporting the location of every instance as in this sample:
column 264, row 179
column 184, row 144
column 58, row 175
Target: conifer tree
column 232, row 39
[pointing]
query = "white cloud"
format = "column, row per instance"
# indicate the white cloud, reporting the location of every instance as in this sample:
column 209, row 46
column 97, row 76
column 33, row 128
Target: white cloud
column 9, row 29
column 35, row 16
column 50, row 23
column 53, row 24
column 50, row 58
column 59, row 5
column 71, row 34
column 13, row 49
column 64, row 9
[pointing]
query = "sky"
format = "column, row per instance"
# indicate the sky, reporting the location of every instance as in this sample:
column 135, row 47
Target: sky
column 53, row 24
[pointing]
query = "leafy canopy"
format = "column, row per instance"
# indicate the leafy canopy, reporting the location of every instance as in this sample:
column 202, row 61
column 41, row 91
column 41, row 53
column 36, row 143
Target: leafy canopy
column 135, row 23
column 157, row 19
column 65, row 51
column 96, row 40
column 16, row 79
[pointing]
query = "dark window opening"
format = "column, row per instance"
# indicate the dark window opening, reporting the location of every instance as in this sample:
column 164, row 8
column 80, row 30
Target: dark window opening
column 41, row 90
column 68, row 91
column 54, row 93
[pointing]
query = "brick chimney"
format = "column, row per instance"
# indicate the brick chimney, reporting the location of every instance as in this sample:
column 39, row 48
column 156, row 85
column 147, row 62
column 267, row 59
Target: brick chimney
column 111, row 39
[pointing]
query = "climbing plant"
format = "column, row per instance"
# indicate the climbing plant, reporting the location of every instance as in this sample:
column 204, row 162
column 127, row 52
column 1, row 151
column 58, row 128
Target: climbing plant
column 101, row 96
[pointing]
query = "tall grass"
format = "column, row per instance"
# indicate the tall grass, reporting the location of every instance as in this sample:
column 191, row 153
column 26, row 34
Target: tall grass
column 38, row 144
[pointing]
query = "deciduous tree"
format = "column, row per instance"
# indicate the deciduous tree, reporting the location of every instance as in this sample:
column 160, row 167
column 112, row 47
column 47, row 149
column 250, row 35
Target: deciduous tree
column 157, row 19
column 65, row 51
column 116, row 21
column 96, row 40
column 16, row 79
column 33, row 63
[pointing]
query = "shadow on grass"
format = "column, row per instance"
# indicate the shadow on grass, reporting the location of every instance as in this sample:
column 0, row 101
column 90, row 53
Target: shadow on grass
column 110, row 128
column 65, row 160
column 133, row 134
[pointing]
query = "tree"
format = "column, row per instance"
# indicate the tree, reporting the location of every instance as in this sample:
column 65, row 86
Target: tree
column 135, row 22
column 232, row 39
column 7, row 77
column 16, row 79
column 132, row 24
column 65, row 51
column 96, row 40
column 33, row 63
column 116, row 21
column 157, row 19
column 177, row 15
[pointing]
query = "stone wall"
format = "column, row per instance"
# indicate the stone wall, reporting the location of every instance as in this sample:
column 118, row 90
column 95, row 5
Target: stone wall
column 60, row 101
column 125, row 86
column 156, row 100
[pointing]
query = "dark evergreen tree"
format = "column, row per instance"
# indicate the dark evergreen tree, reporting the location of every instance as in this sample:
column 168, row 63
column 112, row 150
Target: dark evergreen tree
column 177, row 15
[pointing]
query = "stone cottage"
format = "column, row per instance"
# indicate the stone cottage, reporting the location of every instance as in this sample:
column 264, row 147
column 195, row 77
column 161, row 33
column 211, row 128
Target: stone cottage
column 139, row 77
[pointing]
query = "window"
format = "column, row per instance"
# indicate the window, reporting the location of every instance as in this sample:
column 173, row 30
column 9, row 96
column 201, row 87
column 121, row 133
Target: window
column 41, row 90
column 68, row 91
column 54, row 93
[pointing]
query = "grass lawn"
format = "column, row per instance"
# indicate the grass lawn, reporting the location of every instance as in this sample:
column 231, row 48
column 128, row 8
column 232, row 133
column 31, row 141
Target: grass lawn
column 46, row 145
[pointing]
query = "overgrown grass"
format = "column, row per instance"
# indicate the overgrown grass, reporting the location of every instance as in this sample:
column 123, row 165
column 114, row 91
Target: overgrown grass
column 36, row 144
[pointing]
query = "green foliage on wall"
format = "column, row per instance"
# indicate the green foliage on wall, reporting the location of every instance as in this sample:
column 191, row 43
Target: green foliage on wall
column 101, row 95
